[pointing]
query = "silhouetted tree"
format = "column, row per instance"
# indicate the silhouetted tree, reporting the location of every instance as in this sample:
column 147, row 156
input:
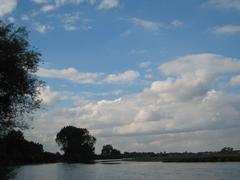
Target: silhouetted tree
column 109, row 152
column 17, row 150
column 77, row 144
column 19, row 87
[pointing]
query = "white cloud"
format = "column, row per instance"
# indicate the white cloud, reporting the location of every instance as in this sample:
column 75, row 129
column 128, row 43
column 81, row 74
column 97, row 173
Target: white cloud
column 25, row 17
column 201, row 63
column 148, row 76
column 75, row 21
column 69, row 21
column 227, row 29
column 117, row 92
column 42, row 28
column 7, row 6
column 40, row 1
column 225, row 4
column 62, row 2
column 146, row 24
column 125, row 77
column 74, row 75
column 71, row 74
column 145, row 64
column 76, row 2
column 126, row 33
column 48, row 8
column 108, row 4
column 176, row 23
column 48, row 96
column 235, row 81
column 54, row 4
column 176, row 111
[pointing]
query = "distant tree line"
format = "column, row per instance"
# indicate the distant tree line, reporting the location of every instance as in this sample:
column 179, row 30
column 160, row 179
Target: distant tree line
column 77, row 145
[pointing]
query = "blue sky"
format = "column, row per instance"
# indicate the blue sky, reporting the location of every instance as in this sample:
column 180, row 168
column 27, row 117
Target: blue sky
column 144, row 75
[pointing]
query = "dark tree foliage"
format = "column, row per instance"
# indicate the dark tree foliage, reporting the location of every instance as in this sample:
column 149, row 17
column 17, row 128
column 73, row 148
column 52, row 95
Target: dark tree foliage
column 77, row 144
column 108, row 152
column 16, row 150
column 19, row 87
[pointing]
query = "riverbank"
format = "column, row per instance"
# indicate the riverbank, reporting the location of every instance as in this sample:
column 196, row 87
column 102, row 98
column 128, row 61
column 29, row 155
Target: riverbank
column 191, row 157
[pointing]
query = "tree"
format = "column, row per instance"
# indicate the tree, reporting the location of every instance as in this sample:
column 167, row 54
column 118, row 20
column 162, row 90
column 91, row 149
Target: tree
column 16, row 149
column 77, row 144
column 19, row 87
column 109, row 152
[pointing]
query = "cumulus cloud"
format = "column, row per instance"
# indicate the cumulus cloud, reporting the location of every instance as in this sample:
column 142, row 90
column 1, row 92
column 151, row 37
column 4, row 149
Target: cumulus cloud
column 227, row 29
column 146, row 24
column 48, row 96
column 7, row 6
column 186, row 103
column 225, row 4
column 206, row 63
column 108, row 4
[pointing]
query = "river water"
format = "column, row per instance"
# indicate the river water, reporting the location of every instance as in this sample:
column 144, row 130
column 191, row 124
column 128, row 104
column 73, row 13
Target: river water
column 130, row 171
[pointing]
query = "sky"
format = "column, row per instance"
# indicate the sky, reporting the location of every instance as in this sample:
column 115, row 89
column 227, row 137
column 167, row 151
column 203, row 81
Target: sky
column 142, row 75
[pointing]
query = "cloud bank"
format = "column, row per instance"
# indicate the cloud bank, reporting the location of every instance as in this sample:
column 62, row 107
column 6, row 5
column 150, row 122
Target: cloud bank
column 188, row 101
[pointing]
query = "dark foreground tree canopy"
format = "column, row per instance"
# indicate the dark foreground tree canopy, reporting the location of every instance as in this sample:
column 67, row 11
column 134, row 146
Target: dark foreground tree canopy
column 19, row 87
column 77, row 144
column 15, row 149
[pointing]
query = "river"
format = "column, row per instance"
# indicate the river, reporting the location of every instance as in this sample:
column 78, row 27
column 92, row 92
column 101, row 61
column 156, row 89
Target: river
column 130, row 171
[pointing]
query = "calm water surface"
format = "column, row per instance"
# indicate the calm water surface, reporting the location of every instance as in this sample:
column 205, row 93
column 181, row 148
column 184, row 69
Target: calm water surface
column 130, row 171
